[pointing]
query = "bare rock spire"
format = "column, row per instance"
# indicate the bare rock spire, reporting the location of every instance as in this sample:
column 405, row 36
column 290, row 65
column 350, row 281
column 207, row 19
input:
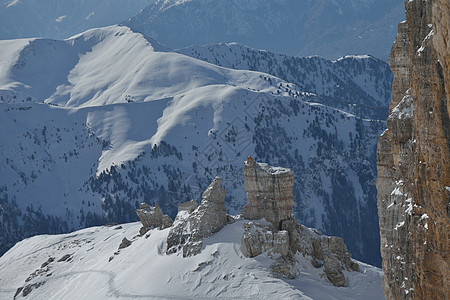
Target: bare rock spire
column 192, row 224
column 269, row 192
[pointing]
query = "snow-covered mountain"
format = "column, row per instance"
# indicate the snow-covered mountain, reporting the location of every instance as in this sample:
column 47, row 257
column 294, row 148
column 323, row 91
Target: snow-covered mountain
column 328, row 28
column 59, row 19
column 93, row 125
column 357, row 84
column 88, row 265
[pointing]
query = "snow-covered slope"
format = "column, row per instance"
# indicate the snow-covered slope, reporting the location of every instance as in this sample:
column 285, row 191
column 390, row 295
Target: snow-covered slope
column 328, row 28
column 59, row 19
column 358, row 84
column 93, row 125
column 79, row 266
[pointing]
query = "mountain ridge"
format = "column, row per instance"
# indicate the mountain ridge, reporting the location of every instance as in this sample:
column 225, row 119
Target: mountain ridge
column 357, row 84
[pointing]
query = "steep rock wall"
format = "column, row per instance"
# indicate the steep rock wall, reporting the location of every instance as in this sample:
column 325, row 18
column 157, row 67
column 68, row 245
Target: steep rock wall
column 414, row 159
column 269, row 192
column 441, row 41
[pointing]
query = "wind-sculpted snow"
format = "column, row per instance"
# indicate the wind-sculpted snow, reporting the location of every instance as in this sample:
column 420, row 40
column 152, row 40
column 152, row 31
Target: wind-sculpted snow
column 88, row 265
column 127, row 121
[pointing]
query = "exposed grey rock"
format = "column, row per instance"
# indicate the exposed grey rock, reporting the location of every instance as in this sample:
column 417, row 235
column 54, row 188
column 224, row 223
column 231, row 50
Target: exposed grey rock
column 269, row 192
column 188, row 206
column 142, row 231
column 333, row 271
column 28, row 288
column 166, row 222
column 178, row 234
column 329, row 253
column 189, row 229
column 211, row 215
column 282, row 268
column 152, row 217
column 269, row 196
column 43, row 271
column 230, row 219
column 18, row 292
column 260, row 238
column 64, row 258
column 125, row 243
column 50, row 260
column 290, row 225
column 316, row 263
column 192, row 248
column 202, row 265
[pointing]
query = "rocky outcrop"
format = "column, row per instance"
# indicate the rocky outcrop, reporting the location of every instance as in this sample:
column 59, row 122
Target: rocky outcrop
column 152, row 217
column 188, row 206
column 125, row 243
column 190, row 228
column 279, row 236
column 328, row 253
column 274, row 231
column 269, row 192
column 260, row 238
column 414, row 159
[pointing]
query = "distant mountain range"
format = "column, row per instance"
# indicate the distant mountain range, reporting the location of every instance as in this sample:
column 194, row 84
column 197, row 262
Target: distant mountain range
column 329, row 28
column 58, row 19
column 109, row 118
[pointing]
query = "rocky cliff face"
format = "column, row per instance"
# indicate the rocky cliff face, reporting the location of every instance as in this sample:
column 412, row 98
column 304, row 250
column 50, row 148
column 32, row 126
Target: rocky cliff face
column 269, row 192
column 414, row 159
column 441, row 43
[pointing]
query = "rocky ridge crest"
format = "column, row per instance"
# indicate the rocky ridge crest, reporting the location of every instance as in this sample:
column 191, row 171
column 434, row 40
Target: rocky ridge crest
column 271, row 230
